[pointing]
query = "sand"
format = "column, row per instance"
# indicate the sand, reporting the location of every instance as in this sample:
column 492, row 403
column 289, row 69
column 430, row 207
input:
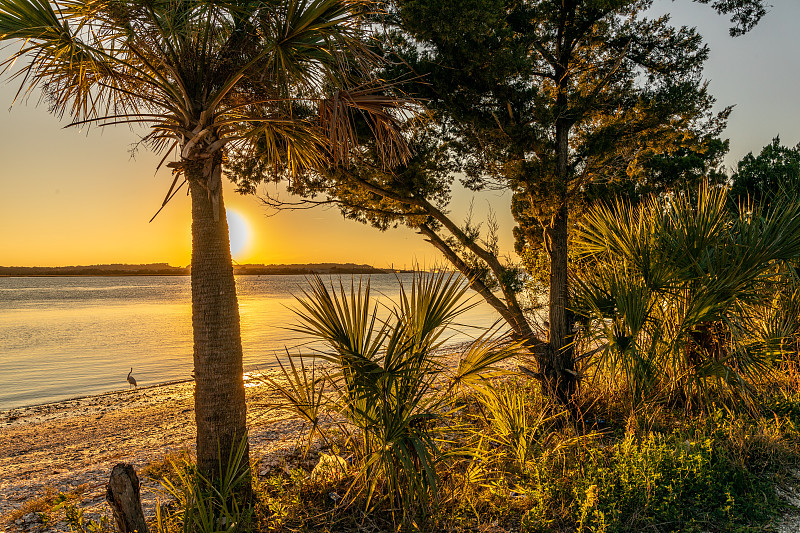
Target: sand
column 72, row 445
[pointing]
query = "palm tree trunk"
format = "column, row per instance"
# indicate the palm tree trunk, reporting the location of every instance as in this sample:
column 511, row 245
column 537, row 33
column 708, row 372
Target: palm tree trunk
column 220, row 410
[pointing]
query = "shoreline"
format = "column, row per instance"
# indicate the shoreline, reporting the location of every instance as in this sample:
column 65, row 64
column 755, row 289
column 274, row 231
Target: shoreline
column 6, row 410
column 70, row 446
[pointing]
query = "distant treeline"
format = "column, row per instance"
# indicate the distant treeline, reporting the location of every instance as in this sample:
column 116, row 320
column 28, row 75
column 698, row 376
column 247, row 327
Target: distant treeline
column 163, row 269
column 313, row 268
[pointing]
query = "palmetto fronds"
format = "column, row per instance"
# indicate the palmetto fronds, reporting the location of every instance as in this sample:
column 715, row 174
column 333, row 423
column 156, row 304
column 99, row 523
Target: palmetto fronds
column 204, row 75
column 389, row 379
column 678, row 287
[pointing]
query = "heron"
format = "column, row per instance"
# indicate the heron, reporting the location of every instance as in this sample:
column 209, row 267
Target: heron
column 130, row 378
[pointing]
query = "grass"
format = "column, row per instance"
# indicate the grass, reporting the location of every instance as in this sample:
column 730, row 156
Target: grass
column 652, row 470
column 40, row 504
column 162, row 469
column 513, row 463
column 48, row 504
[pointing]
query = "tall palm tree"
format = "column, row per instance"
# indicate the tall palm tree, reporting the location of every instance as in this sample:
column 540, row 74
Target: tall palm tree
column 213, row 80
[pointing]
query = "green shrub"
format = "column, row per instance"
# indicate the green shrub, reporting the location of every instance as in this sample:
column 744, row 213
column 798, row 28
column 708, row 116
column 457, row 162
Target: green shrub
column 389, row 382
column 203, row 505
column 681, row 481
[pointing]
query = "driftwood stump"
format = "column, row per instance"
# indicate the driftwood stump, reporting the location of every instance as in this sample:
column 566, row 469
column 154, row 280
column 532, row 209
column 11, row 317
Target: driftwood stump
column 123, row 497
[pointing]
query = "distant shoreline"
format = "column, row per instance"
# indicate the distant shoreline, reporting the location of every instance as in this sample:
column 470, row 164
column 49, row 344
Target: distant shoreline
column 163, row 269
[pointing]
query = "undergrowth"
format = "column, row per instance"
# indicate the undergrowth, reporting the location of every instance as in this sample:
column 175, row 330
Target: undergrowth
column 52, row 505
column 533, row 473
column 406, row 440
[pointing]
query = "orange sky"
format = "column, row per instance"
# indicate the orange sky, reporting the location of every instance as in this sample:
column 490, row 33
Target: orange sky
column 71, row 197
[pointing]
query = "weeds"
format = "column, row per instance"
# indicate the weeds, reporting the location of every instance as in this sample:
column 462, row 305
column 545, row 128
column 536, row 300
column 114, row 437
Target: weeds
column 203, row 505
column 41, row 505
column 50, row 503
column 79, row 524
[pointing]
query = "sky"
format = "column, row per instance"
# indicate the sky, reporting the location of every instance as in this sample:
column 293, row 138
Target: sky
column 79, row 197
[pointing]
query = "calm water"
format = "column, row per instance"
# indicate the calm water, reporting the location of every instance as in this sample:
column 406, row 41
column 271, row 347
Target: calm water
column 62, row 337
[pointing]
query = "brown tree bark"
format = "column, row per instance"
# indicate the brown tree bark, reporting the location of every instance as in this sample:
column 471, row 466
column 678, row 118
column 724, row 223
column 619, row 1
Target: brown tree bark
column 220, row 409
column 122, row 494
column 511, row 314
column 559, row 369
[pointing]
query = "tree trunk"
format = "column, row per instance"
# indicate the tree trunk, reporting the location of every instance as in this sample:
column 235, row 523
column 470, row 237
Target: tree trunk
column 559, row 374
column 122, row 494
column 220, row 410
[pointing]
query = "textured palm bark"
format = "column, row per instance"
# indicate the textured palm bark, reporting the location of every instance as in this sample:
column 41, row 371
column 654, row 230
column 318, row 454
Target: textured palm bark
column 220, row 409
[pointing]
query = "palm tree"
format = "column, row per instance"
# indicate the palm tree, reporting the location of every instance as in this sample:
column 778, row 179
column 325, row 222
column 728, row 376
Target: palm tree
column 391, row 387
column 213, row 81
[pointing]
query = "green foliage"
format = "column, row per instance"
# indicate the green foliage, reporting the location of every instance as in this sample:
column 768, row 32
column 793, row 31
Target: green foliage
column 667, row 483
column 561, row 104
column 389, row 382
column 625, row 91
column 203, row 505
column 517, row 428
column 247, row 76
column 773, row 173
column 678, row 290
column 515, row 466
column 744, row 13
column 301, row 393
column 79, row 524
column 716, row 472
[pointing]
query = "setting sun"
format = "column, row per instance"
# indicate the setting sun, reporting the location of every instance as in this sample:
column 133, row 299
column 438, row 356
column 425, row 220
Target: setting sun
column 240, row 232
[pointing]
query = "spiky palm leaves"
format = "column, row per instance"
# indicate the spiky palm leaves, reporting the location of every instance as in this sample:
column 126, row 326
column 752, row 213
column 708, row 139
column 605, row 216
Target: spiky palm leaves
column 202, row 75
column 678, row 291
column 389, row 380
column 273, row 80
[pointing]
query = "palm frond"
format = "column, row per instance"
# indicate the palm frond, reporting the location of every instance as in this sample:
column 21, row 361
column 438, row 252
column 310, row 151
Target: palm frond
column 673, row 285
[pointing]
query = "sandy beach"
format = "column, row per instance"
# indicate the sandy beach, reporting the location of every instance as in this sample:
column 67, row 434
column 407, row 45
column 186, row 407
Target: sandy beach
column 72, row 445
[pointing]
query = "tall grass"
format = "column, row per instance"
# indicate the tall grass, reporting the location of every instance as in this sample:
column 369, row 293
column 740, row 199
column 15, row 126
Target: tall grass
column 203, row 505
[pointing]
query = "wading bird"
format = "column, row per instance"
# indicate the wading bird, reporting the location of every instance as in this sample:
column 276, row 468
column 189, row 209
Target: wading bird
column 130, row 378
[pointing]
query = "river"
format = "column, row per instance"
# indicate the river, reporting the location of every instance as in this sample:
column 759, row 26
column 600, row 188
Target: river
column 62, row 337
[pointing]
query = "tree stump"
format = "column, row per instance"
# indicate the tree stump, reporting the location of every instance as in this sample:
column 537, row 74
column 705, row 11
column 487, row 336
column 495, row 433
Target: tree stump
column 123, row 497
